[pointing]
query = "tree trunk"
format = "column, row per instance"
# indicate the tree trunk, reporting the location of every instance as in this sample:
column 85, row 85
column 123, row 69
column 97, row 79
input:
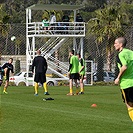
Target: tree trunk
column 109, row 60
column 6, row 45
column 109, row 54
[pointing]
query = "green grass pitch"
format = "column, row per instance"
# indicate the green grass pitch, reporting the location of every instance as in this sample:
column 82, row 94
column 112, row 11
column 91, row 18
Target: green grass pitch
column 22, row 112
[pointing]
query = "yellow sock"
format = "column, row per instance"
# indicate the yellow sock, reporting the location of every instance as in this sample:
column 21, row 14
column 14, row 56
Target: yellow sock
column 36, row 88
column 4, row 89
column 45, row 87
column 71, row 90
column 130, row 111
column 82, row 89
column 77, row 90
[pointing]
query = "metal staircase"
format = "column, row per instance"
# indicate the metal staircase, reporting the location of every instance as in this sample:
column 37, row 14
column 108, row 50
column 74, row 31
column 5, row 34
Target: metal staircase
column 48, row 50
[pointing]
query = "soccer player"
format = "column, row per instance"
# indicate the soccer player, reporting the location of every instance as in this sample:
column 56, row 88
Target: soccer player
column 81, row 73
column 40, row 65
column 125, row 77
column 7, row 68
column 73, row 72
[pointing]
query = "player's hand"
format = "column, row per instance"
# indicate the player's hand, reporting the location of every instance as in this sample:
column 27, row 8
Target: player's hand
column 117, row 81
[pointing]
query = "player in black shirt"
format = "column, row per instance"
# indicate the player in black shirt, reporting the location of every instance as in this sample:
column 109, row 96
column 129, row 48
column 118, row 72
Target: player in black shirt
column 7, row 68
column 40, row 65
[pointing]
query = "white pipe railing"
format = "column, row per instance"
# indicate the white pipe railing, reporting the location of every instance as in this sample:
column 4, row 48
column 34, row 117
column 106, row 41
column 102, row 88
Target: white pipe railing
column 59, row 28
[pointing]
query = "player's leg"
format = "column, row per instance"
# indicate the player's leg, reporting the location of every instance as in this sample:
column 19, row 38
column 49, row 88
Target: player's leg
column 36, row 88
column 43, row 81
column 5, row 87
column 128, row 98
column 77, row 86
column 45, row 88
column 130, row 110
column 5, row 74
column 6, row 84
column 76, row 79
column 81, row 84
column 71, row 85
column 6, row 80
column 36, row 80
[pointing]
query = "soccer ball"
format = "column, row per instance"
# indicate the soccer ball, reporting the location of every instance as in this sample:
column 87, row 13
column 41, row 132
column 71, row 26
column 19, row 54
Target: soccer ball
column 13, row 38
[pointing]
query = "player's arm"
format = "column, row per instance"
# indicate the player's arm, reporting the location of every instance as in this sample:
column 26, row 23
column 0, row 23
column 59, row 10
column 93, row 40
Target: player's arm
column 70, row 63
column 82, row 66
column 5, row 73
column 123, row 64
column 122, row 70
column 33, row 64
column 70, row 66
column 81, row 69
column 4, row 66
column 46, row 65
column 12, row 69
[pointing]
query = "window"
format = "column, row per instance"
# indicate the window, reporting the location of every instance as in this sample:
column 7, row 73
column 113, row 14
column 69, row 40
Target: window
column 29, row 75
column 111, row 74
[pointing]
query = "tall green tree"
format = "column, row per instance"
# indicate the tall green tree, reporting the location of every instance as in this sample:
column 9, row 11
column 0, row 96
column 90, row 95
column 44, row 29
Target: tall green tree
column 4, row 26
column 107, row 24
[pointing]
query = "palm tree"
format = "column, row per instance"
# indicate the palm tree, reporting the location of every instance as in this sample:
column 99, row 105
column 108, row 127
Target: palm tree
column 4, row 26
column 107, row 25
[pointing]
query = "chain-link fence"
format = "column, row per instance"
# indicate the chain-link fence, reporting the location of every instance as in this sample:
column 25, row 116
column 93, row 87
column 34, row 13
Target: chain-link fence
column 98, row 53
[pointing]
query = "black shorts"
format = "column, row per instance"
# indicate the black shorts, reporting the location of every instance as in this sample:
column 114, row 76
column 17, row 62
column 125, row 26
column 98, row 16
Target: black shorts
column 127, row 94
column 40, row 78
column 74, row 76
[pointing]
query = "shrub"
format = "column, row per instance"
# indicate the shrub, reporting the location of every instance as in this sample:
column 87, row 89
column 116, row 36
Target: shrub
column 12, row 84
column 102, row 83
column 63, row 83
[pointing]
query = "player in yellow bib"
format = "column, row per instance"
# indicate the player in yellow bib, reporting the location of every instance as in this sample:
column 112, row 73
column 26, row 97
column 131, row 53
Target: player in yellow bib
column 81, row 73
column 73, row 72
column 125, row 76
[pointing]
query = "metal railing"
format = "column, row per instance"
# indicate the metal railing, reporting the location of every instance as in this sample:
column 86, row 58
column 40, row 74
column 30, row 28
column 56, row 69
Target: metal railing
column 56, row 29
